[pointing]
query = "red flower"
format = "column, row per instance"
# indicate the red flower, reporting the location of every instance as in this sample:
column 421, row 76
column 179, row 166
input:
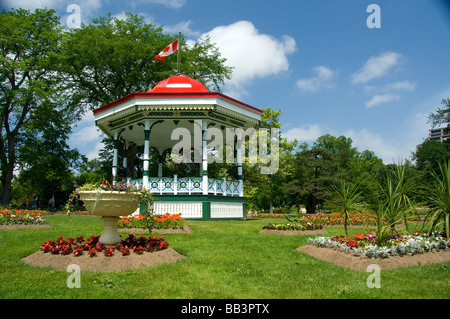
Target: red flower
column 92, row 252
column 78, row 251
column 125, row 251
column 109, row 251
column 138, row 249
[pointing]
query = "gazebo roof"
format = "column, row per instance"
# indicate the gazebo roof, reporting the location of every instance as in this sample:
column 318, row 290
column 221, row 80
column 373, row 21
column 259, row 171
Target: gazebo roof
column 175, row 88
column 179, row 84
column 177, row 101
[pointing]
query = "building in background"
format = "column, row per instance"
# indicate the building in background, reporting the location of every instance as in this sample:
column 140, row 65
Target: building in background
column 439, row 134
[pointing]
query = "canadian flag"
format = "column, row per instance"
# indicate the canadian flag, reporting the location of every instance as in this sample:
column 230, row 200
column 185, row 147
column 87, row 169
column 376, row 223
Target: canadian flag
column 171, row 48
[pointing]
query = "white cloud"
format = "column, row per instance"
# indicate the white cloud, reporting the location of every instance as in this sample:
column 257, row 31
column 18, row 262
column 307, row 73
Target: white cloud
column 184, row 27
column 33, row 4
column 305, row 133
column 323, row 79
column 175, row 4
column 400, row 86
column 94, row 153
column 387, row 151
column 147, row 18
column 396, row 86
column 378, row 99
column 377, row 66
column 251, row 53
column 391, row 149
column 86, row 137
column 87, row 8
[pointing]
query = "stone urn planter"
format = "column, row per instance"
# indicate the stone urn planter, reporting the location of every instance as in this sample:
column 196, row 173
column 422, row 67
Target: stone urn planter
column 110, row 205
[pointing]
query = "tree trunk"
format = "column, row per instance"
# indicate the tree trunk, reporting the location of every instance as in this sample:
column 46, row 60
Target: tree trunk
column 7, row 163
column 270, row 204
column 7, row 176
column 311, row 205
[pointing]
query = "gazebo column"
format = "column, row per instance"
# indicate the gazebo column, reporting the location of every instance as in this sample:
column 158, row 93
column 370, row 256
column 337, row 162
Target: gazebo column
column 239, row 163
column 160, row 166
column 204, row 159
column 146, row 153
column 115, row 157
column 125, row 160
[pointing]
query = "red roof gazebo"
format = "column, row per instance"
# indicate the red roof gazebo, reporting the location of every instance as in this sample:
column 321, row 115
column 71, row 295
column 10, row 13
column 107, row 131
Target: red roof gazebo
column 179, row 107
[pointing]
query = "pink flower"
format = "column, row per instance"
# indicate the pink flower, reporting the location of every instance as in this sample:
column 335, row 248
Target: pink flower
column 103, row 186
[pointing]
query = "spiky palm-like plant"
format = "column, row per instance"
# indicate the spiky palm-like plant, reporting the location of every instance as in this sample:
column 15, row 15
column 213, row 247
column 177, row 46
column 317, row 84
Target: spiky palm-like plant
column 392, row 208
column 343, row 198
column 405, row 185
column 439, row 198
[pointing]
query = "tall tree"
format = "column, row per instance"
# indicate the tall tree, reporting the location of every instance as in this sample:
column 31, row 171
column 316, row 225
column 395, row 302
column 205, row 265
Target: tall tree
column 341, row 147
column 111, row 58
column 315, row 169
column 367, row 171
column 442, row 114
column 430, row 154
column 30, row 69
column 46, row 160
column 266, row 190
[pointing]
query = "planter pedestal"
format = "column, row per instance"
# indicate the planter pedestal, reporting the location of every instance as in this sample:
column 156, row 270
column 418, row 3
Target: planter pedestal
column 110, row 236
column 110, row 205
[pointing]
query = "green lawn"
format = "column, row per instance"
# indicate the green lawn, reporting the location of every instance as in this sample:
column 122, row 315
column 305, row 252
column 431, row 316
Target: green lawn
column 226, row 259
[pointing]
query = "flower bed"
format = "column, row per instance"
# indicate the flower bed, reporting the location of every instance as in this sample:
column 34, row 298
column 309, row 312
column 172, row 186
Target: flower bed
column 264, row 215
column 92, row 246
column 394, row 245
column 166, row 221
column 359, row 219
column 293, row 226
column 21, row 217
column 311, row 222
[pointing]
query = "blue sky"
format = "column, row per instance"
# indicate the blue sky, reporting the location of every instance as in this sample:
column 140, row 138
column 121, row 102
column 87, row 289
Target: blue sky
column 317, row 61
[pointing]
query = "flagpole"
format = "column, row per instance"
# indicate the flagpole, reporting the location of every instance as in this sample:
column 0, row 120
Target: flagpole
column 179, row 54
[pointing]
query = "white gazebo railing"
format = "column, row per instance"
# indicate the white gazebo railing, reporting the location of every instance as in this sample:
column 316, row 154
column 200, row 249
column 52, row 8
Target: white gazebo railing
column 189, row 185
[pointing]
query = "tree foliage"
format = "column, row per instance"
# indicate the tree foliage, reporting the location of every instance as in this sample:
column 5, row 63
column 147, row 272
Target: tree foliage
column 46, row 162
column 442, row 114
column 31, row 73
column 111, row 58
column 44, row 66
